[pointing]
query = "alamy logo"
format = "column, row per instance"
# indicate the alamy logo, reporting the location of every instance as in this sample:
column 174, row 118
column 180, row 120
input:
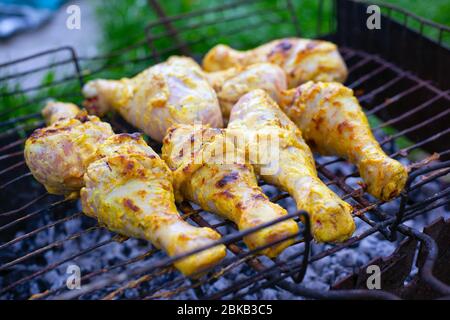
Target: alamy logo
column 73, row 21
column 74, row 279
column 232, row 147
column 374, row 280
column 374, row 20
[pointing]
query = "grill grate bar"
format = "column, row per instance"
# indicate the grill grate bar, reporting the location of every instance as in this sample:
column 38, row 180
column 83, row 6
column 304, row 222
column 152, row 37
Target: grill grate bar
column 359, row 64
column 264, row 274
column 31, row 71
column 61, row 81
column 348, row 293
column 367, row 77
column 116, row 53
column 133, row 284
column 12, row 167
column 430, row 178
column 415, row 165
column 233, row 263
column 32, row 102
column 18, row 119
column 415, row 127
column 22, row 127
column 48, row 247
column 54, row 265
column 163, row 263
column 25, row 175
column 101, row 271
column 191, row 27
column 32, row 214
column 12, row 145
column 409, row 113
column 11, row 155
column 35, row 231
column 14, row 211
column 10, row 182
column 403, row 152
column 380, row 89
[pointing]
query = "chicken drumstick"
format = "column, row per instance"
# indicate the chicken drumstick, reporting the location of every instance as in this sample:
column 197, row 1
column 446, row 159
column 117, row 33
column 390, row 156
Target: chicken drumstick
column 59, row 154
column 233, row 83
column 301, row 59
column 291, row 165
column 333, row 123
column 228, row 188
column 128, row 187
column 171, row 92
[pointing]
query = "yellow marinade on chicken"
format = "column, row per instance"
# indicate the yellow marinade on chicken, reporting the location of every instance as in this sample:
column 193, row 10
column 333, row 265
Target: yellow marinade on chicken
column 333, row 123
column 59, row 154
column 233, row 83
column 301, row 59
column 129, row 190
column 289, row 165
column 168, row 93
column 212, row 173
column 128, row 187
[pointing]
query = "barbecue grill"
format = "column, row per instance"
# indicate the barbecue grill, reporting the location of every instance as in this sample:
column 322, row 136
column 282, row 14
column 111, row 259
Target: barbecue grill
column 399, row 74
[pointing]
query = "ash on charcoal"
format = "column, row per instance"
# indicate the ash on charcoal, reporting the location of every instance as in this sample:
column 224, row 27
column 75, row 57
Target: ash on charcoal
column 320, row 275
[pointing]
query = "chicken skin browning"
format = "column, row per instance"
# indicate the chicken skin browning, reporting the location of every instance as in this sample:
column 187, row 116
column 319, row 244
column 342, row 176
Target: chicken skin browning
column 59, row 154
column 233, row 83
column 227, row 188
column 175, row 91
column 129, row 190
column 333, row 123
column 301, row 59
column 255, row 116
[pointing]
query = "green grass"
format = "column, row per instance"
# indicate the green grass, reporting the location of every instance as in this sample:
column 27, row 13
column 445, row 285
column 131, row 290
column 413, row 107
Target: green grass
column 123, row 23
column 435, row 10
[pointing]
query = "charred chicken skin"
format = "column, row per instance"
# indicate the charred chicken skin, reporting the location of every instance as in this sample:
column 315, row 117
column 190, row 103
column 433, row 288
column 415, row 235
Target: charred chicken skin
column 126, row 186
column 171, row 92
column 129, row 190
column 59, row 154
column 233, row 83
column 291, row 165
column 301, row 59
column 230, row 189
column 333, row 123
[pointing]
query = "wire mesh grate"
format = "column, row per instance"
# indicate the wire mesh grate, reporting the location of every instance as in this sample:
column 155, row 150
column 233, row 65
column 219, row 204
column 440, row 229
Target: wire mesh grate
column 28, row 212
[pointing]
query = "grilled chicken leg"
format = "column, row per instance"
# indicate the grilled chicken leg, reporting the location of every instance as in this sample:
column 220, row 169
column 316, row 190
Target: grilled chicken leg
column 228, row 188
column 291, row 165
column 55, row 111
column 175, row 91
column 129, row 189
column 233, row 83
column 59, row 154
column 333, row 123
column 301, row 59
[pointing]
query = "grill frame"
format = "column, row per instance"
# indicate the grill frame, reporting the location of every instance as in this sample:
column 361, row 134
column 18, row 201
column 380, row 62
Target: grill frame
column 265, row 275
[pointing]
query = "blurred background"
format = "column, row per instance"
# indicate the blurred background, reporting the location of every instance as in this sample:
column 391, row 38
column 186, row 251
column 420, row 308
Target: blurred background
column 30, row 26
column 111, row 38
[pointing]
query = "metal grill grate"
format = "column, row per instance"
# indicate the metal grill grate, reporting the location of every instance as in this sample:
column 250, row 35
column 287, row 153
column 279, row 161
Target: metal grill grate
column 415, row 107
